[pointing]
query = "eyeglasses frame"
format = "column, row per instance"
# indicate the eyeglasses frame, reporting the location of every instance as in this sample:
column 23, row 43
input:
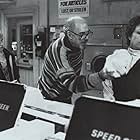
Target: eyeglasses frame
column 81, row 36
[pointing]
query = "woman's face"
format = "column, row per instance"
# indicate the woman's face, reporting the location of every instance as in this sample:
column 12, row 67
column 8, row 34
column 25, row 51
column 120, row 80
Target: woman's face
column 135, row 39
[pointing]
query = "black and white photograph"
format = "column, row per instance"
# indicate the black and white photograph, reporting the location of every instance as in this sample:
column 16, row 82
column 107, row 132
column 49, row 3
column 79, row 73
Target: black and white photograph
column 69, row 69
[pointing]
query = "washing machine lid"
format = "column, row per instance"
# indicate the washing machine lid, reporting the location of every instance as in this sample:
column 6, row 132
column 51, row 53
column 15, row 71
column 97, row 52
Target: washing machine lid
column 99, row 119
column 98, row 63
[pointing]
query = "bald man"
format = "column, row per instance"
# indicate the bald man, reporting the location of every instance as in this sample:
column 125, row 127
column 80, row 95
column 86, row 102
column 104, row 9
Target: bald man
column 62, row 64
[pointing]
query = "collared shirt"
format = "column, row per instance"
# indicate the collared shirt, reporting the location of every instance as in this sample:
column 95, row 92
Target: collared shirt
column 135, row 54
column 107, row 84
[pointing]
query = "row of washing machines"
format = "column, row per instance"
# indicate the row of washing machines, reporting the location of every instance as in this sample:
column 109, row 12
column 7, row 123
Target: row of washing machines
column 105, row 39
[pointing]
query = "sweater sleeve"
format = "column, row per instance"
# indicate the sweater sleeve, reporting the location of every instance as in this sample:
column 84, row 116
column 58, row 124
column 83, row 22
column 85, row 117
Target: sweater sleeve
column 81, row 83
column 75, row 83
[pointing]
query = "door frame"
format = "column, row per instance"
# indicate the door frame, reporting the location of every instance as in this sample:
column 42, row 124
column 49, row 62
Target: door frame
column 32, row 11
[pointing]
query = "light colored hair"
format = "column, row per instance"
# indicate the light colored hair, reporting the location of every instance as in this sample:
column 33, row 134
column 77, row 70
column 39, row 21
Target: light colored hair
column 70, row 23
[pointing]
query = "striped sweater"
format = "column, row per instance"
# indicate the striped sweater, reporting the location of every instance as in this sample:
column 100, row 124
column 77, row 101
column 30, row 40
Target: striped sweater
column 61, row 70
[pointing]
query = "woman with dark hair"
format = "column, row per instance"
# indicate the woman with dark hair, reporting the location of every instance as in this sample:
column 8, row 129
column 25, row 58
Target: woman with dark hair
column 131, row 26
column 123, row 66
column 8, row 69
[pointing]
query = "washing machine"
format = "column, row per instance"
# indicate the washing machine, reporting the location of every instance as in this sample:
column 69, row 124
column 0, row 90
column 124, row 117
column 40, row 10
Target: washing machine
column 105, row 39
column 95, row 57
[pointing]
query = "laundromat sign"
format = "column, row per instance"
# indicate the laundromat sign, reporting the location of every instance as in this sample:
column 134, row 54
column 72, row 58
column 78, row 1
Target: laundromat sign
column 68, row 8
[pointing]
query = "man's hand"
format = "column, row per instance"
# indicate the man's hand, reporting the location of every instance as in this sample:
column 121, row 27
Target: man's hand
column 105, row 75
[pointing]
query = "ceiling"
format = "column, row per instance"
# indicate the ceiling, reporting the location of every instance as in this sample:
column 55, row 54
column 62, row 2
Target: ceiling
column 5, row 3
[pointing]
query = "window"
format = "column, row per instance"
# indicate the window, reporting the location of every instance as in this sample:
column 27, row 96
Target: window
column 26, row 41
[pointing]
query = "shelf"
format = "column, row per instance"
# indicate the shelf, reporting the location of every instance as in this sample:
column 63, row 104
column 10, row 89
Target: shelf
column 104, row 44
column 25, row 66
column 25, row 63
column 31, row 52
column 24, row 34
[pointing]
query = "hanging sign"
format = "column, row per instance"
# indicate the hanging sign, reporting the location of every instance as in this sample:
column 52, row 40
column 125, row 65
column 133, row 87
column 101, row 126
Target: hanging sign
column 68, row 8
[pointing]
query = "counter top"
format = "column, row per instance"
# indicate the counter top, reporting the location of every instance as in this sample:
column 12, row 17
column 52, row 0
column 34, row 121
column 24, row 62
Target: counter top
column 52, row 111
column 35, row 98
column 29, row 130
column 36, row 105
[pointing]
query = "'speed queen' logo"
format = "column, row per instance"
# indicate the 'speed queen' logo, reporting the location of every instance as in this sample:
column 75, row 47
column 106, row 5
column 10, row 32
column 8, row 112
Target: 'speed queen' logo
column 4, row 107
column 107, row 136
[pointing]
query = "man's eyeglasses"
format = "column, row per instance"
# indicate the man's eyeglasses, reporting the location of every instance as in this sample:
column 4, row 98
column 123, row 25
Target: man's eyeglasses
column 1, row 39
column 82, row 35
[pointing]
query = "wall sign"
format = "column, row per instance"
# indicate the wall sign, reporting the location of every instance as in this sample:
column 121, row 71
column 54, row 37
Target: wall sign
column 68, row 8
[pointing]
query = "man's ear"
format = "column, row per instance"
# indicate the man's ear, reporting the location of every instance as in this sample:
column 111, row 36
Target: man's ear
column 129, row 37
column 69, row 35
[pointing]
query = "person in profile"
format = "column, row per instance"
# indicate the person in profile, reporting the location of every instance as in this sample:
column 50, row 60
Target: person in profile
column 61, row 76
column 123, row 67
column 8, row 69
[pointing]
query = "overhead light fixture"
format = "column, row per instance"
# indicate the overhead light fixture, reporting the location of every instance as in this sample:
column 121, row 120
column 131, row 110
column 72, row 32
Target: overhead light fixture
column 7, row 1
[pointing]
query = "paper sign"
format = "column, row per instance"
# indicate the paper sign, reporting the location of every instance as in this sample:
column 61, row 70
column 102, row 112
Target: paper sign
column 68, row 8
